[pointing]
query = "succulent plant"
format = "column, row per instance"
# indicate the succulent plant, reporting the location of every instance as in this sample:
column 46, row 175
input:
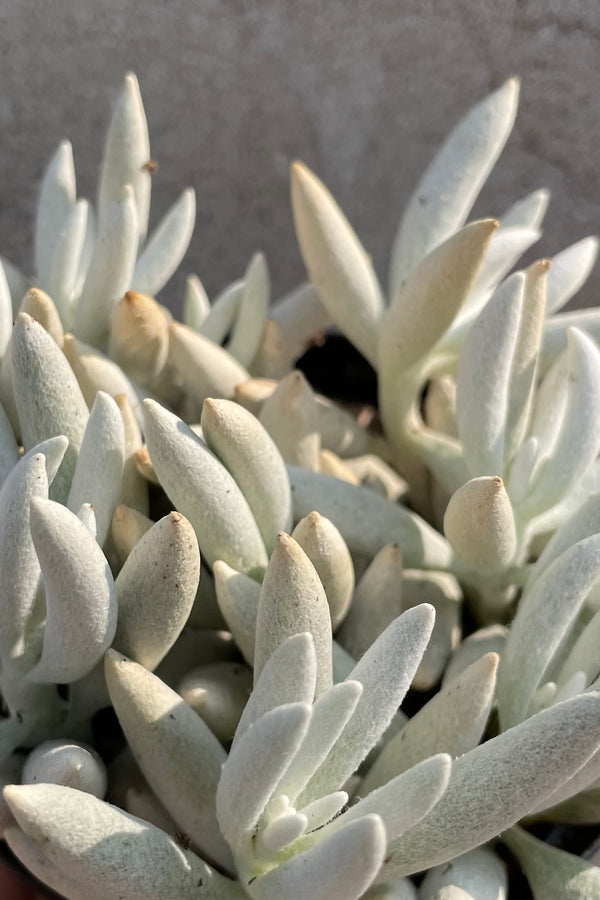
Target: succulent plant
column 253, row 577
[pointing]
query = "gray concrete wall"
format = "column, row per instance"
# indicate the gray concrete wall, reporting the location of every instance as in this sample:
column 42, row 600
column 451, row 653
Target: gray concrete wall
column 361, row 90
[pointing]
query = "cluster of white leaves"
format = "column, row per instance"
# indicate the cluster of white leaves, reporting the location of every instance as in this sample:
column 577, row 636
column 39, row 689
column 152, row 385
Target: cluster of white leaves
column 258, row 640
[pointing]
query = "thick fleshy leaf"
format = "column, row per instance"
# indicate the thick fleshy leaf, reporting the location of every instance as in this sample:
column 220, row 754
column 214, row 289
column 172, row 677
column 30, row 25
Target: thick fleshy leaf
column 446, row 192
column 9, row 449
column 292, row 600
column 483, row 380
column 196, row 305
column 291, row 418
column 66, row 762
column 300, row 317
column 570, row 270
column 96, row 372
column 126, row 155
column 246, row 450
column 223, row 311
column 337, row 263
column 81, row 608
column 139, row 337
column 238, row 596
column 156, row 589
column 479, row 524
column 252, row 312
column 553, row 874
column 480, row 873
column 110, row 270
column 578, row 440
column 166, row 246
column 254, row 768
column 453, row 722
column 401, row 802
column 18, row 559
column 40, row 306
column 56, row 200
column 288, row 676
column 62, row 280
column 377, row 601
column 425, row 307
column 99, row 468
column 485, row 640
column 204, row 491
column 205, row 369
column 544, row 618
column 385, row 672
column 49, row 400
column 134, row 487
column 219, row 693
column 344, row 865
column 523, row 373
column 330, row 714
column 528, row 212
column 556, row 328
column 6, row 312
column 329, row 554
column 178, row 754
column 499, row 782
column 366, row 521
column 94, row 843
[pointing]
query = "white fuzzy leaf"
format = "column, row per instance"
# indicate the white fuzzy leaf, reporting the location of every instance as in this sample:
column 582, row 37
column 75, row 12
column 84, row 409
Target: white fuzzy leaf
column 110, row 270
column 553, row 874
column 292, row 600
column 499, row 782
column 544, row 618
column 126, row 154
column 205, row 369
column 99, row 468
column 403, row 801
column 6, row 312
column 288, row 676
column 327, row 550
column 166, row 246
column 480, row 873
column 337, row 263
column 254, row 768
column 81, row 607
column 453, row 722
column 344, row 865
column 483, row 380
column 222, row 312
column 385, row 672
column 578, row 441
column 196, row 305
column 528, row 212
column 570, row 269
column 238, row 596
column 330, row 714
column 246, row 450
column 252, row 312
column 204, row 491
column 425, row 306
column 48, row 398
column 446, row 192
column 65, row 263
column 178, row 754
column 156, row 589
column 94, row 843
column 366, row 521
column 56, row 200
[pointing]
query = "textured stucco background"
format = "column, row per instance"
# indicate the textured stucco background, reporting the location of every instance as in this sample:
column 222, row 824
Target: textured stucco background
column 361, row 90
